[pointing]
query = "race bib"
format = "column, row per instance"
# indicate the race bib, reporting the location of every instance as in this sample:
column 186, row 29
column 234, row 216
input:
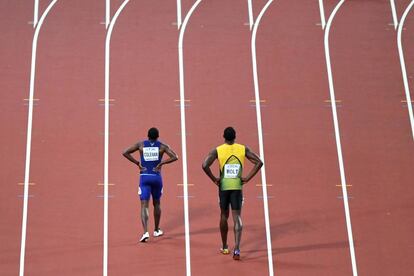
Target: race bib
column 231, row 170
column 151, row 153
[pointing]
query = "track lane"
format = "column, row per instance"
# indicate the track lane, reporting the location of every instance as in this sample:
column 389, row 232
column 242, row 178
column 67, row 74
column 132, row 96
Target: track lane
column 218, row 80
column 15, row 52
column 307, row 218
column 65, row 215
column 143, row 83
column 377, row 142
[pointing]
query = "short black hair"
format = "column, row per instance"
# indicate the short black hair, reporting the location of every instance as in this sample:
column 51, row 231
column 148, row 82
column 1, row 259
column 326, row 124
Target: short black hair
column 153, row 133
column 229, row 134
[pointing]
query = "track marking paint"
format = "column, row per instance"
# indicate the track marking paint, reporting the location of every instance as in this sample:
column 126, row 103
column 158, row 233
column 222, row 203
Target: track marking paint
column 31, row 99
column 329, row 101
column 322, row 13
column 261, row 101
column 178, row 23
column 347, row 185
column 188, row 184
column 111, row 100
column 260, row 138
column 260, row 185
column 29, row 136
column 338, row 139
column 106, row 139
column 109, row 184
column 183, row 136
column 250, row 11
column 403, row 66
column 394, row 14
column 107, row 13
column 30, row 184
column 35, row 13
column 183, row 100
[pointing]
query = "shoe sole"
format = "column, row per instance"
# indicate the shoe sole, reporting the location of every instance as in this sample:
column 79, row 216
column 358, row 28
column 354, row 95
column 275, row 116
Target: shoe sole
column 144, row 240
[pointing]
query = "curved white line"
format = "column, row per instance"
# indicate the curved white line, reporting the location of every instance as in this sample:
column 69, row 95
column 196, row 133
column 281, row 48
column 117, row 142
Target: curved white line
column 183, row 136
column 250, row 13
column 403, row 67
column 107, row 13
column 35, row 13
column 338, row 139
column 394, row 13
column 106, row 139
column 260, row 133
column 322, row 13
column 178, row 14
column 29, row 137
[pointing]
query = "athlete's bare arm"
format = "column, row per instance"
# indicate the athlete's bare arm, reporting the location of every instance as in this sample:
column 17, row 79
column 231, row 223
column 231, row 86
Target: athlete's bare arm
column 171, row 154
column 211, row 157
column 128, row 154
column 255, row 159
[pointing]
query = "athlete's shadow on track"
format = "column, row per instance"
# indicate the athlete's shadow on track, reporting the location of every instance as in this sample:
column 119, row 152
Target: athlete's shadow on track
column 286, row 229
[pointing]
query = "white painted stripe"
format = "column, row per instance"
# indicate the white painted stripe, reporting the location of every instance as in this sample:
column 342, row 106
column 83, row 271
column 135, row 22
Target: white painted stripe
column 106, row 139
column 183, row 138
column 322, row 12
column 35, row 13
column 178, row 14
column 403, row 66
column 29, row 137
column 250, row 10
column 107, row 13
column 394, row 13
column 338, row 140
column 261, row 147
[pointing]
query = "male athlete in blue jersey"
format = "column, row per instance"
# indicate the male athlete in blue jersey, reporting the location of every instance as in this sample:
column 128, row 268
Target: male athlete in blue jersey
column 151, row 152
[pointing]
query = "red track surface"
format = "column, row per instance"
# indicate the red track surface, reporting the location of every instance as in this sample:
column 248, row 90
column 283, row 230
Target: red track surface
column 16, row 42
column 308, row 222
column 65, row 218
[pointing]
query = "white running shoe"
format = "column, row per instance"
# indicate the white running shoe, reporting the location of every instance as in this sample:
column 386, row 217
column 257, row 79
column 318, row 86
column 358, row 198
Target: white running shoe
column 158, row 233
column 145, row 237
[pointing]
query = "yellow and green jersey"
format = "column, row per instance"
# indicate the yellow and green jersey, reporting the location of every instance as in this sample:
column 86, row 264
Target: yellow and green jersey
column 231, row 160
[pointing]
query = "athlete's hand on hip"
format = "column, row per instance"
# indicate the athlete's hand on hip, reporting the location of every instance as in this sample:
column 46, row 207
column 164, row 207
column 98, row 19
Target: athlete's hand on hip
column 157, row 168
column 244, row 180
column 217, row 181
column 141, row 168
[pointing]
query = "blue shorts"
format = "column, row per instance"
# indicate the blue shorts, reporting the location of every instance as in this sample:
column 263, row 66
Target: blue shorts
column 150, row 184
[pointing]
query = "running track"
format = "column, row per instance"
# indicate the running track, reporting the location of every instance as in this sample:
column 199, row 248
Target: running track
column 308, row 222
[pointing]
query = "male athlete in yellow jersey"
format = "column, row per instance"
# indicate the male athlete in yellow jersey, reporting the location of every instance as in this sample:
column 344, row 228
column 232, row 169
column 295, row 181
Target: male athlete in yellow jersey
column 231, row 160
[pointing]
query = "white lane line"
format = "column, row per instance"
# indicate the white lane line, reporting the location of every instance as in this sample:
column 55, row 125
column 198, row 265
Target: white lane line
column 338, row 139
column 178, row 14
column 29, row 137
column 35, row 13
column 260, row 133
column 107, row 13
column 322, row 12
column 403, row 67
column 250, row 10
column 106, row 143
column 394, row 13
column 183, row 137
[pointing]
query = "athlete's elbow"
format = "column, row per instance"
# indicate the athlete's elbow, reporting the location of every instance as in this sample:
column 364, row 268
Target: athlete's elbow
column 260, row 164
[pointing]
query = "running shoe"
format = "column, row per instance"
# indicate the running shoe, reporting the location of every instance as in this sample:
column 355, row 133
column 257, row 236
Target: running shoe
column 236, row 254
column 145, row 237
column 225, row 251
column 158, row 233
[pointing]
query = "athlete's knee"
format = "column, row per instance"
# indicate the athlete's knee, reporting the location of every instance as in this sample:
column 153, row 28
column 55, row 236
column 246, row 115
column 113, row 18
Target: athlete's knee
column 156, row 203
column 224, row 215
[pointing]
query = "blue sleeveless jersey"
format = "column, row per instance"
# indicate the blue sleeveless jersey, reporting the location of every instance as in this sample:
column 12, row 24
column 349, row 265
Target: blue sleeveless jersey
column 151, row 156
